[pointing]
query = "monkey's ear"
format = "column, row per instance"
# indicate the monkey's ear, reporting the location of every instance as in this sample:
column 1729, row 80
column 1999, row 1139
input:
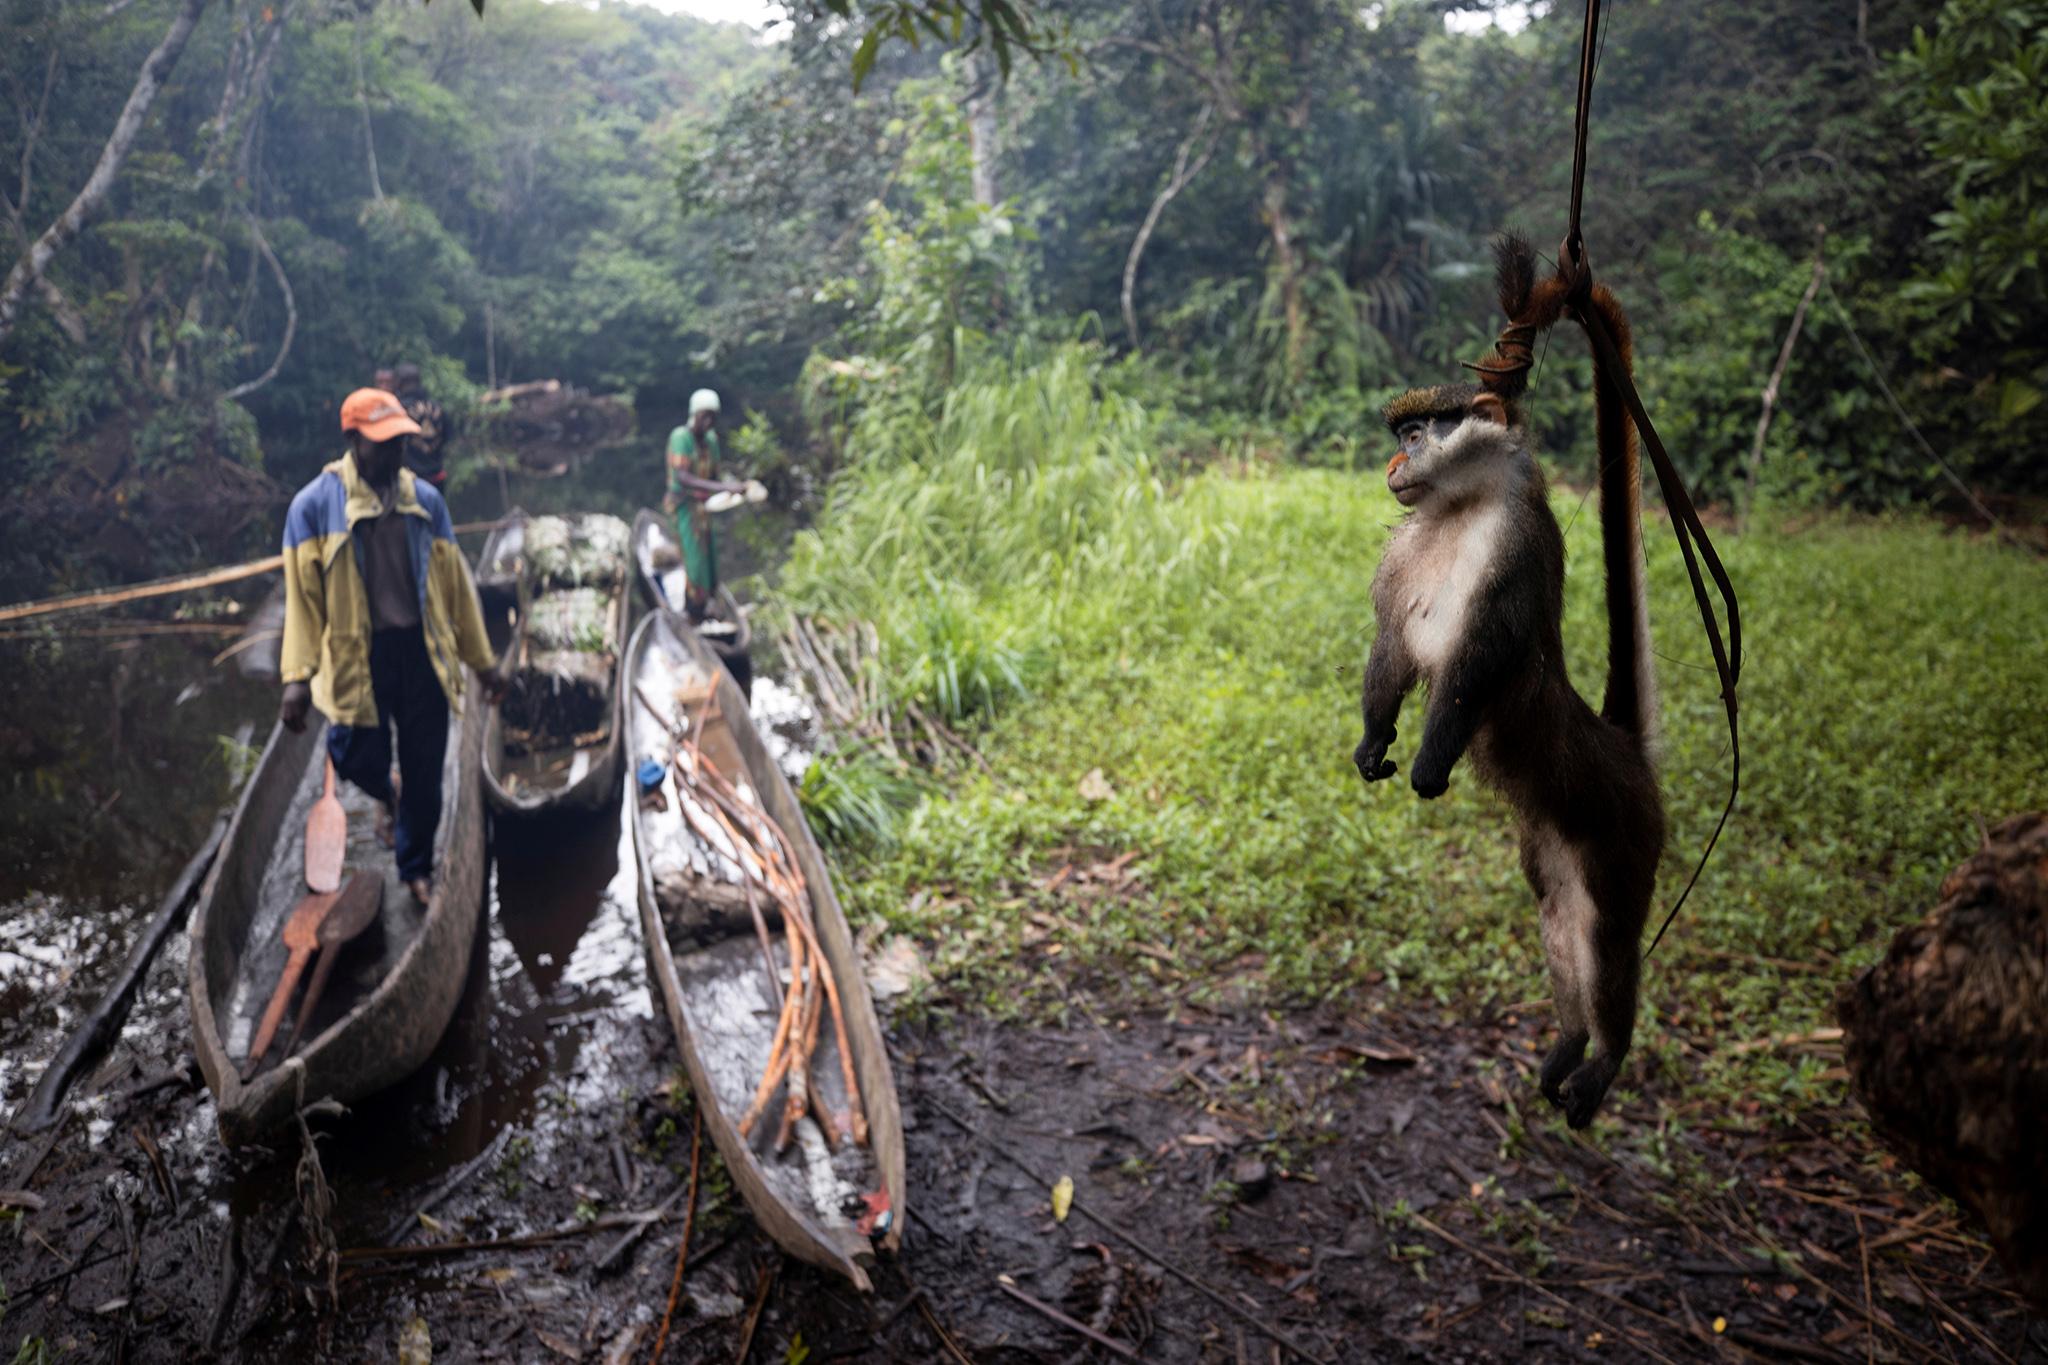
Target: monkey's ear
column 1488, row 407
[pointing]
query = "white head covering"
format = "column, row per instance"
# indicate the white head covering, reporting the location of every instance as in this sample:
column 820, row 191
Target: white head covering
column 703, row 400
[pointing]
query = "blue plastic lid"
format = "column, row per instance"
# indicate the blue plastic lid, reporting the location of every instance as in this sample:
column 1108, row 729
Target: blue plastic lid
column 649, row 772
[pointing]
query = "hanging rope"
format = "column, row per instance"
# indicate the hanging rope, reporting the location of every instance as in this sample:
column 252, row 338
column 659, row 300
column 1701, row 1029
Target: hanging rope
column 1693, row 541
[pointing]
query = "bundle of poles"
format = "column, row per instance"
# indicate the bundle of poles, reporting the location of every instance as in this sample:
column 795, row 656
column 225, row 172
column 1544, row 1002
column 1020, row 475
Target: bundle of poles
column 742, row 832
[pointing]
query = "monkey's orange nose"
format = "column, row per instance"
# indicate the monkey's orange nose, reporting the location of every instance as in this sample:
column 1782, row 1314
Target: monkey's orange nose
column 1400, row 458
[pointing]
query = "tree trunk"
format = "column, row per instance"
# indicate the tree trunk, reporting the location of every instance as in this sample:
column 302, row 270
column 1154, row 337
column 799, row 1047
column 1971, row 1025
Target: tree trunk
column 1287, row 260
column 981, row 125
column 156, row 68
column 363, row 102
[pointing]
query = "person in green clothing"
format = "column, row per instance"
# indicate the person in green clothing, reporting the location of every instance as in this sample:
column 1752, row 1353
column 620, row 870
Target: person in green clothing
column 695, row 491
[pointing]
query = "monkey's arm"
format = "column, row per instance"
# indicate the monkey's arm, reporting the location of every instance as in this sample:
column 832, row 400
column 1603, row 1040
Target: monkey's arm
column 1486, row 659
column 1389, row 676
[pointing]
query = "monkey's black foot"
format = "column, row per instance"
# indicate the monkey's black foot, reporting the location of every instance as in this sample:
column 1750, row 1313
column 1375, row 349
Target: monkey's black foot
column 1586, row 1087
column 1564, row 1057
column 1428, row 785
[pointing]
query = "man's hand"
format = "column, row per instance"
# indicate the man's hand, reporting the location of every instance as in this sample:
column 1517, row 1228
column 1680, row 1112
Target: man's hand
column 493, row 684
column 293, row 706
column 1371, row 757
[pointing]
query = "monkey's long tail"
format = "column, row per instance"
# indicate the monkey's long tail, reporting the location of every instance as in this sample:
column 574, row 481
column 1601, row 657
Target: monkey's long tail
column 1631, row 701
column 1533, row 306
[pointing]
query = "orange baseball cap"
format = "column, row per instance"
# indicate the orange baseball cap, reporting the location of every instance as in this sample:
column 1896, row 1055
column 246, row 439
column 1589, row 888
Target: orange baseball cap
column 376, row 414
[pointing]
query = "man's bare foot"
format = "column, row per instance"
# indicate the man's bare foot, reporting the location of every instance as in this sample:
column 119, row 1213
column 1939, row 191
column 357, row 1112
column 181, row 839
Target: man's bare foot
column 422, row 889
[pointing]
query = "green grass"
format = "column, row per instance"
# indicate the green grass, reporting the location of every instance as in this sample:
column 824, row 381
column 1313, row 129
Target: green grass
column 1201, row 643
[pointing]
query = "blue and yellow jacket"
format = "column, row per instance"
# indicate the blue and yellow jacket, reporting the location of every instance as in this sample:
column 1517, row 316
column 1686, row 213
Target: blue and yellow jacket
column 327, row 608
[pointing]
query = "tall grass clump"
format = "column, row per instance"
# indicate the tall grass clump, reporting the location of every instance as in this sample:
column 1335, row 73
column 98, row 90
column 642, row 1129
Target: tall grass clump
column 972, row 532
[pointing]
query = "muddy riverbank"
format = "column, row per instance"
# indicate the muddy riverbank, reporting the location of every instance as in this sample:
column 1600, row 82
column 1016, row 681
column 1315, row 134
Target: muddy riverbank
column 1359, row 1184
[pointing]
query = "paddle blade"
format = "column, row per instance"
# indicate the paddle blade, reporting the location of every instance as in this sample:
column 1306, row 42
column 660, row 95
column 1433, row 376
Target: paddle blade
column 326, row 839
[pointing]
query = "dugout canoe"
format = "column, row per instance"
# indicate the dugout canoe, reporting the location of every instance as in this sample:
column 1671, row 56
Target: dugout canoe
column 706, row 961
column 571, row 777
column 499, row 576
column 393, row 989
column 658, row 559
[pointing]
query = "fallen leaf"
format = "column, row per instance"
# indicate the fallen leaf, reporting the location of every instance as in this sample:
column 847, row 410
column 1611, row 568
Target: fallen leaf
column 895, row 967
column 568, row 1350
column 415, row 1343
column 1062, row 1198
column 1095, row 787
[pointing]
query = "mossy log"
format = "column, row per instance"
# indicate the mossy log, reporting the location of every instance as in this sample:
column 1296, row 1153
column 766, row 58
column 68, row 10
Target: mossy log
column 1947, row 1044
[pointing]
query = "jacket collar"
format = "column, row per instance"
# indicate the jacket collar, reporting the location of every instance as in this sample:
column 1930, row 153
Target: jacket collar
column 362, row 500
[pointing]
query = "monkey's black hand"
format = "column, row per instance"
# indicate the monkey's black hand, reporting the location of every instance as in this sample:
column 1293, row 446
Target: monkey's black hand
column 1430, row 780
column 1371, row 757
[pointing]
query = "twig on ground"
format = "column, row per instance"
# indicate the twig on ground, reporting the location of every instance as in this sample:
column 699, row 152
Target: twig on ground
column 529, row 1239
column 1545, row 1290
column 675, row 1284
column 1264, row 1328
column 464, row 1173
column 768, row 1272
column 615, row 1255
column 1107, row 1343
column 1869, row 1304
column 230, row 1285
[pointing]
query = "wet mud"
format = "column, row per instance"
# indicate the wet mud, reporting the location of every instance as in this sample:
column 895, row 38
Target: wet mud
column 1339, row 1186
column 1370, row 1182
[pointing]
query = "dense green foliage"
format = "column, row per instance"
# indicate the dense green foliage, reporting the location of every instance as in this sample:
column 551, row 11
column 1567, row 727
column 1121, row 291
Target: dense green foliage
column 639, row 202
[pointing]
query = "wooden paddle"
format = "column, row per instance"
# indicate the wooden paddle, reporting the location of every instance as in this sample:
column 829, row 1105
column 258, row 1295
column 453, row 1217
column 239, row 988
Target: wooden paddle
column 301, row 940
column 354, row 912
column 326, row 839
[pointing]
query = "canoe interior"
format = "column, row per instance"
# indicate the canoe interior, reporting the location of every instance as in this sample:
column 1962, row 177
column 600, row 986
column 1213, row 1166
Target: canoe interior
column 721, row 997
column 257, row 955
column 519, row 778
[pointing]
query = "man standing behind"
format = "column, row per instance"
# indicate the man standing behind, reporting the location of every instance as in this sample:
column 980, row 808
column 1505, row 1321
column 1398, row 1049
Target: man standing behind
column 695, row 488
column 693, row 460
column 380, row 617
column 425, row 453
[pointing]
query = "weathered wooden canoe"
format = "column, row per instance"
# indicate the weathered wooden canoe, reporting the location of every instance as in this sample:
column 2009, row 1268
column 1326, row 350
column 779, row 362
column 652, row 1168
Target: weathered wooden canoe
column 393, row 990
column 658, row 556
column 570, row 777
column 707, row 963
column 500, row 574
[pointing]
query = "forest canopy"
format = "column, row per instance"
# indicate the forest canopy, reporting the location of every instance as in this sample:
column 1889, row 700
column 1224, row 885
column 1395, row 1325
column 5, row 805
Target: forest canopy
column 1281, row 206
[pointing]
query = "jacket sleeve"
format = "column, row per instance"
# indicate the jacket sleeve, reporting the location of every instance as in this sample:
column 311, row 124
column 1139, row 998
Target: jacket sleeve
column 472, row 641
column 457, row 589
column 305, row 597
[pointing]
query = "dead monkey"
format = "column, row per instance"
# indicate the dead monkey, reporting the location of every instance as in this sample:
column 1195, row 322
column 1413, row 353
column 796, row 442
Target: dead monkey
column 1469, row 597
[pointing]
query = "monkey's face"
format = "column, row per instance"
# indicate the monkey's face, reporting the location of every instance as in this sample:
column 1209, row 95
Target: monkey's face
column 1449, row 456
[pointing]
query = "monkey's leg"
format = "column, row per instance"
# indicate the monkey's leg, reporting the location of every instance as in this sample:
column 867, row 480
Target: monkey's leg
column 1617, row 970
column 1563, row 910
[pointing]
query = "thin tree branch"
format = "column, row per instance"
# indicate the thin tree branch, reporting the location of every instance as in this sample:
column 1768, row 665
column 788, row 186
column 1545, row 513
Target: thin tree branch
column 1763, row 421
column 363, row 101
column 1183, row 173
column 156, row 68
column 291, row 315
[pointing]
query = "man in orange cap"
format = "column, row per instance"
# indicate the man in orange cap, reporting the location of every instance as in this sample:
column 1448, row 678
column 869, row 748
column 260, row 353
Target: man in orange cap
column 380, row 619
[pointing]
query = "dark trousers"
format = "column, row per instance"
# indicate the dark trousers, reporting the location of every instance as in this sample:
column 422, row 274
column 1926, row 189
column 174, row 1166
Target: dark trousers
column 408, row 694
